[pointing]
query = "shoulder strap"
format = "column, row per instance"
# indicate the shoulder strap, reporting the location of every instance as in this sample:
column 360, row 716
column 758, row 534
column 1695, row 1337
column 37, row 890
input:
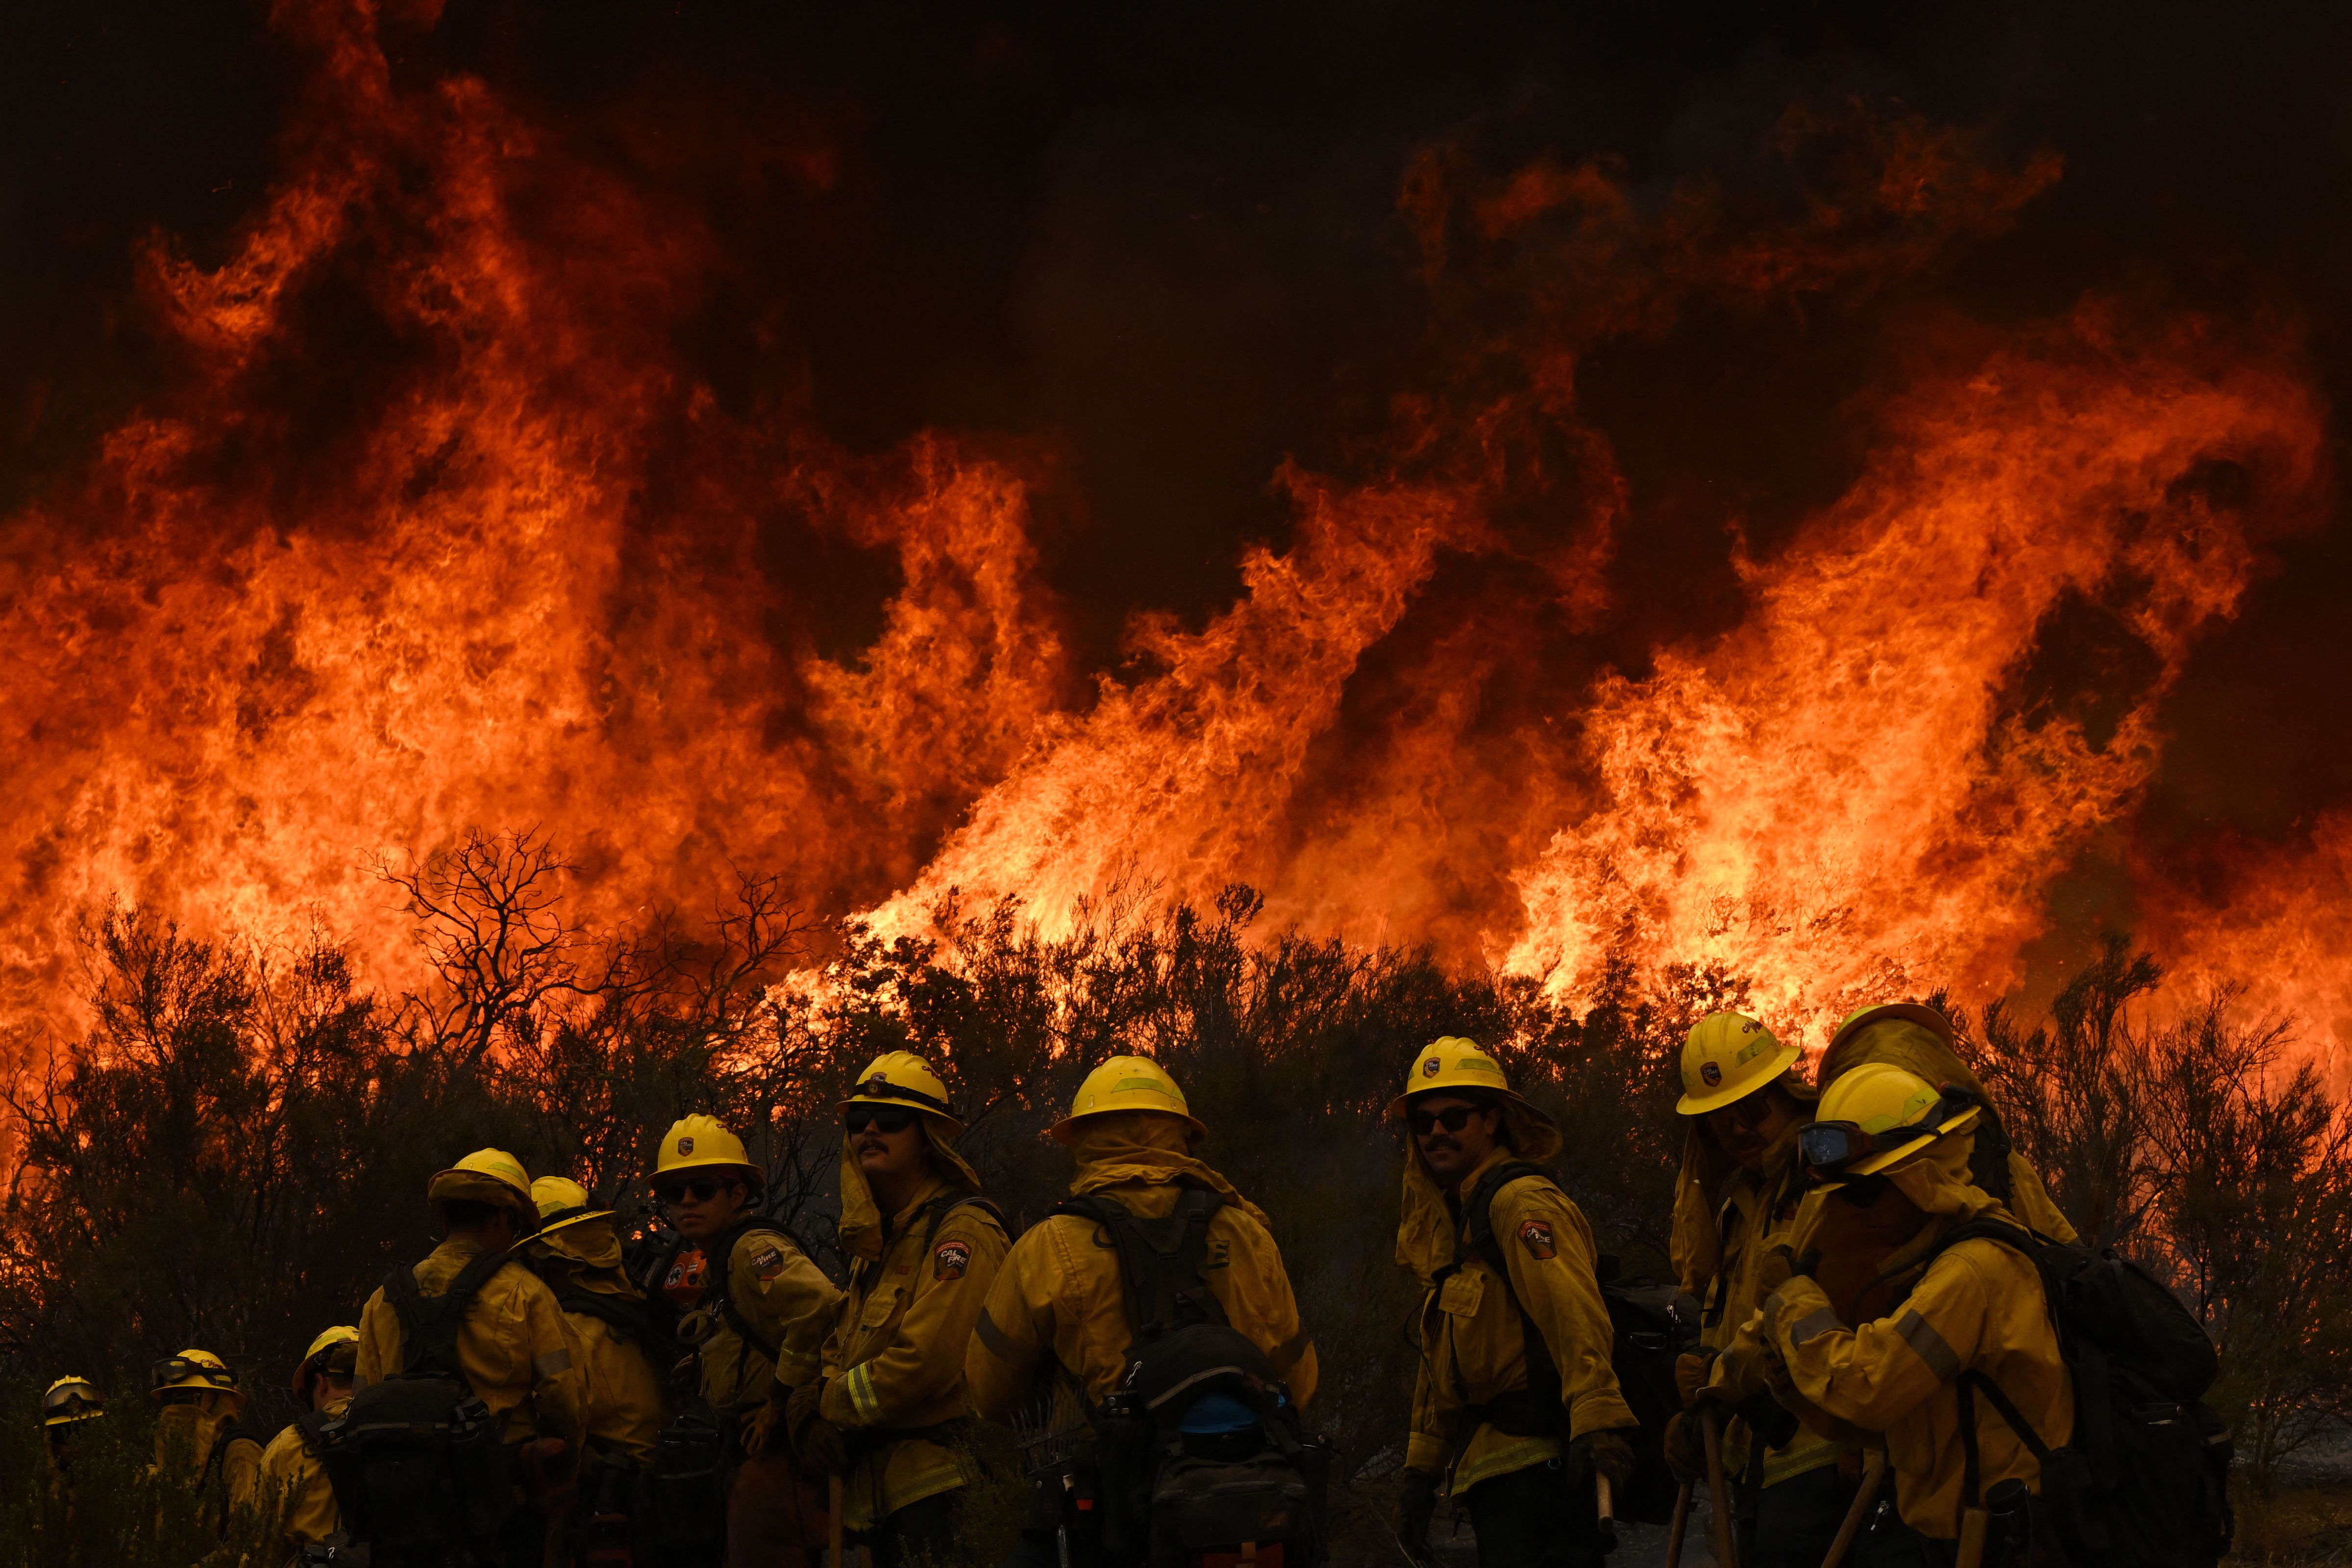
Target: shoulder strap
column 1971, row 1473
column 941, row 1207
column 631, row 1316
column 1159, row 1260
column 429, row 1325
column 1478, row 1220
column 312, row 1424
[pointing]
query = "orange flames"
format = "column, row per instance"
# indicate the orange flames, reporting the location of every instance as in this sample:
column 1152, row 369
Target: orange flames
column 508, row 572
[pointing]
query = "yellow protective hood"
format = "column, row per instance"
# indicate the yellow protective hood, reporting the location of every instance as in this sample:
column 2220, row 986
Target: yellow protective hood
column 1697, row 1250
column 588, row 1241
column 1425, row 1226
column 861, row 1216
column 1116, row 1147
column 186, row 1432
column 1916, row 1049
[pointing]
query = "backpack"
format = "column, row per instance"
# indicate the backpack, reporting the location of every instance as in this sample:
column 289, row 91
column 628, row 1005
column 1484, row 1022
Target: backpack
column 2144, row 1481
column 631, row 1318
column 1647, row 1332
column 417, row 1462
column 1185, row 1482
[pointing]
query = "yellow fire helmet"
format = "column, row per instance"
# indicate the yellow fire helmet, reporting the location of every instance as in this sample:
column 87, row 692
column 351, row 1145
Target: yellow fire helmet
column 1128, row 1083
column 196, row 1369
column 563, row 1201
column 487, row 1175
column 336, row 1350
column 1861, row 1018
column 904, row 1080
column 1876, row 1116
column 699, row 1142
column 1451, row 1062
column 69, row 1400
column 1728, row 1057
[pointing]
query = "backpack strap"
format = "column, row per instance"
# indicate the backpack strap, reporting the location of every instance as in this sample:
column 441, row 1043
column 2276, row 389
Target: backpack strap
column 941, row 1207
column 631, row 1318
column 312, row 1424
column 1159, row 1260
column 1478, row 1222
column 429, row 1325
column 1971, row 1472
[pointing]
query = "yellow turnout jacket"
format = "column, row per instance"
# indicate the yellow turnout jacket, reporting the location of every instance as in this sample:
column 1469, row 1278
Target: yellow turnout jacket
column 895, row 1359
column 294, row 1481
column 1059, row 1294
column 1756, row 1215
column 622, row 1404
column 784, row 1300
column 1473, row 1339
column 513, row 1346
column 1979, row 1305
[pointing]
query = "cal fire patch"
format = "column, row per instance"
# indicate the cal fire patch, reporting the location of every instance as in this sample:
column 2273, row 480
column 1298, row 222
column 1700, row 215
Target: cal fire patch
column 1535, row 1235
column 768, row 1263
column 951, row 1261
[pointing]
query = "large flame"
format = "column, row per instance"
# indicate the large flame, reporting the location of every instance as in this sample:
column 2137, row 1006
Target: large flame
column 509, row 570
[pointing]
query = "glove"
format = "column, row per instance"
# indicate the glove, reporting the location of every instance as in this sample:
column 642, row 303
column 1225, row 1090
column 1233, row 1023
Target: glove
column 1608, row 1454
column 1767, row 1418
column 1416, row 1507
column 1784, row 1263
column 761, row 1425
column 1686, row 1449
column 817, row 1441
column 1691, row 1369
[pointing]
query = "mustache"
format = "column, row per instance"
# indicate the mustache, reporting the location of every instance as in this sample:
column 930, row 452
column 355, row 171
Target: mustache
column 1430, row 1146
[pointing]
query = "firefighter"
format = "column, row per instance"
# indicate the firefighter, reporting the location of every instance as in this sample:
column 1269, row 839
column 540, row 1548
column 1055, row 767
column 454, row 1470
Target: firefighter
column 66, row 1405
column 890, row 1408
column 1737, row 1201
column 293, row 1476
column 1895, row 1150
column 513, row 1346
column 756, row 1312
column 1058, row 1303
column 1515, row 1438
column 196, row 1440
column 577, row 1255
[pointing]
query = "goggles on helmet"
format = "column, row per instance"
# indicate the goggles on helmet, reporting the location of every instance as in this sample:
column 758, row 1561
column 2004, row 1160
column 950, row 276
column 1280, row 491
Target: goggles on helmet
column 174, row 1369
column 1828, row 1148
column 72, row 1400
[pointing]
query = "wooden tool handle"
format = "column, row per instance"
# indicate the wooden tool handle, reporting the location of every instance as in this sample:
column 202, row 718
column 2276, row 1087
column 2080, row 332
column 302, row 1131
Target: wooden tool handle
column 1727, row 1548
column 1873, row 1470
column 1681, row 1525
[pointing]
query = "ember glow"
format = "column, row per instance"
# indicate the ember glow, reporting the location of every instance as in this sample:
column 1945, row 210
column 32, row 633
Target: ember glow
column 512, row 580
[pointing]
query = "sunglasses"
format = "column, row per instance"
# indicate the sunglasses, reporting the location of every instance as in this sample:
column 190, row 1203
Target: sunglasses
column 179, row 1369
column 702, row 1189
column 1454, row 1118
column 882, row 1118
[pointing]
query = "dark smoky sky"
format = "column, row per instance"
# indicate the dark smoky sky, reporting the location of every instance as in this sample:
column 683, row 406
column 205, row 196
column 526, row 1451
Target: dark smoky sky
column 1160, row 243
